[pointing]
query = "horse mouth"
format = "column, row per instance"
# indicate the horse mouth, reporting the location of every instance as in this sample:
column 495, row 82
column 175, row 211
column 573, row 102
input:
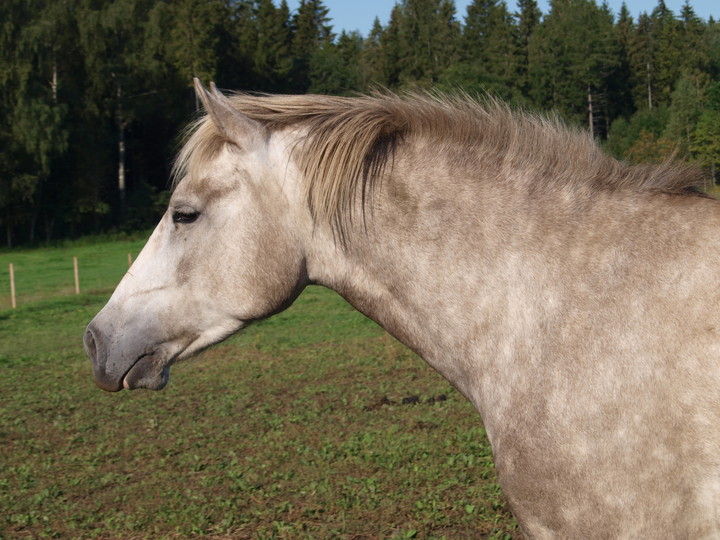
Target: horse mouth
column 129, row 365
column 149, row 371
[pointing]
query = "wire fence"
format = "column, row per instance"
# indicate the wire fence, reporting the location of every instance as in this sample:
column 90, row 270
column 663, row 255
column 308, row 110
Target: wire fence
column 76, row 278
column 43, row 274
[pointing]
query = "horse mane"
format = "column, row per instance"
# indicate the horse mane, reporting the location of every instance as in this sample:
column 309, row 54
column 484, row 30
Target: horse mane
column 349, row 141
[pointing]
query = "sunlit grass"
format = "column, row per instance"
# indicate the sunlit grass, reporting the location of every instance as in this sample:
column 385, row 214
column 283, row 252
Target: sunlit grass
column 47, row 273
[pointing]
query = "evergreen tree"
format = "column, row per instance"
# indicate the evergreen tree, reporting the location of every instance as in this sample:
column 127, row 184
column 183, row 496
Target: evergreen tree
column 334, row 68
column 711, row 40
column 93, row 94
column 574, row 55
column 427, row 39
column 235, row 46
column 668, row 59
column 695, row 55
column 705, row 141
column 120, row 45
column 35, row 85
column 685, row 109
column 641, row 57
column 371, row 58
column 17, row 181
column 272, row 59
column 489, row 40
column 392, row 56
column 194, row 37
column 620, row 102
column 312, row 33
column 528, row 18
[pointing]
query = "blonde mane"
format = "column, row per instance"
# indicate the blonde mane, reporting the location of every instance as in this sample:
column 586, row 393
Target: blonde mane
column 348, row 144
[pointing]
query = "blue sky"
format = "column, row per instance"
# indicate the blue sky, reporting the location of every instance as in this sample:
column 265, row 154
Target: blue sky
column 359, row 15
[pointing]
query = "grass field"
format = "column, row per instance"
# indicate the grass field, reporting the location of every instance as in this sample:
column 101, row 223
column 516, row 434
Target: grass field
column 313, row 424
column 45, row 273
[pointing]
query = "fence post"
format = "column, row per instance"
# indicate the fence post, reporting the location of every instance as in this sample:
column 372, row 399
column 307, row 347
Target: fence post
column 12, row 286
column 129, row 260
column 77, row 275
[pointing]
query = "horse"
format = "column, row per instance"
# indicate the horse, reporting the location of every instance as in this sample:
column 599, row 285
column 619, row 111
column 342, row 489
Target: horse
column 571, row 297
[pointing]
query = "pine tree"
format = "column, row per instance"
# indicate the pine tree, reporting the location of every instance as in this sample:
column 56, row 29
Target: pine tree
column 427, row 38
column 393, row 57
column 272, row 60
column 312, row 32
column 705, row 141
column 642, row 63
column 668, row 59
column 695, row 54
column 711, row 38
column 35, row 88
column 489, row 40
column 235, row 42
column 194, row 37
column 528, row 18
column 17, row 181
column 122, row 75
column 93, row 93
column 334, row 68
column 371, row 58
column 685, row 109
column 572, row 59
column 620, row 102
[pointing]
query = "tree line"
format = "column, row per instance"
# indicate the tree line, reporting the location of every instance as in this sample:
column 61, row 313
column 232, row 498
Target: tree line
column 93, row 93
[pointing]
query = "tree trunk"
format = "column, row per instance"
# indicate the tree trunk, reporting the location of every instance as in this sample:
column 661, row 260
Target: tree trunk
column 33, row 221
column 121, row 151
column 591, row 119
column 649, row 87
column 49, row 225
column 54, row 82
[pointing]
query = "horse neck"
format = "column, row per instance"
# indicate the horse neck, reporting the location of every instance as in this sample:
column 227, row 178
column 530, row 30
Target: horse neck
column 412, row 265
column 458, row 263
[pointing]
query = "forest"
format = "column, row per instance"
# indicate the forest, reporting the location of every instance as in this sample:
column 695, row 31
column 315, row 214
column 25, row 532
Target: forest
column 94, row 94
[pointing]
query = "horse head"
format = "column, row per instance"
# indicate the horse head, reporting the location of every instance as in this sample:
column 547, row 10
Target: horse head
column 225, row 253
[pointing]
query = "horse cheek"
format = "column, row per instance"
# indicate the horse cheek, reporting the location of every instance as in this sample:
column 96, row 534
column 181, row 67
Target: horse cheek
column 253, row 277
column 273, row 280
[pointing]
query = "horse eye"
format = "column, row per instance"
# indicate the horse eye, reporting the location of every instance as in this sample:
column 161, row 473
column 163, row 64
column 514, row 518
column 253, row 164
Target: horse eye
column 184, row 216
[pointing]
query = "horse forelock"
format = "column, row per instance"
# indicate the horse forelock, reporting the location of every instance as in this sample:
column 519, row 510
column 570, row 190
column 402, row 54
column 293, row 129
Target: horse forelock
column 347, row 144
column 202, row 141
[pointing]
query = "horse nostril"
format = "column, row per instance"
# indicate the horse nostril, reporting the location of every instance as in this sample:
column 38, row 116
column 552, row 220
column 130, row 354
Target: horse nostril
column 95, row 348
column 90, row 346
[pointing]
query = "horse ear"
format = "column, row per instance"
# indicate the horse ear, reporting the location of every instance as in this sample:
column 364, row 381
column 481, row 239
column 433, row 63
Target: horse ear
column 235, row 126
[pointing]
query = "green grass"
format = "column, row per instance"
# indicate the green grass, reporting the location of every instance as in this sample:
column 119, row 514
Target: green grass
column 48, row 272
column 295, row 428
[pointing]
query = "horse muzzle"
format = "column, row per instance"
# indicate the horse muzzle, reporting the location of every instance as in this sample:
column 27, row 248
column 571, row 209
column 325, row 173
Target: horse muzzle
column 117, row 365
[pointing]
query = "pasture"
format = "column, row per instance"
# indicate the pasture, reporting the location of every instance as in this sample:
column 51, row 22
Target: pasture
column 312, row 424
